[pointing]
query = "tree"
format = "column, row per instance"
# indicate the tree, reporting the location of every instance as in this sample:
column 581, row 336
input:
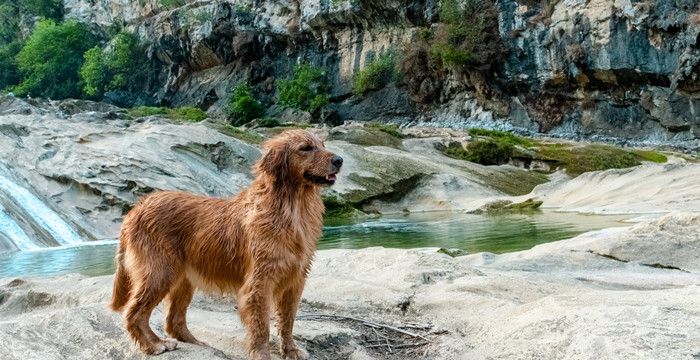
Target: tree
column 51, row 59
column 94, row 72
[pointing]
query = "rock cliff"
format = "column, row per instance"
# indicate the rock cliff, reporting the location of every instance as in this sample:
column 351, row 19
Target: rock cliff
column 622, row 70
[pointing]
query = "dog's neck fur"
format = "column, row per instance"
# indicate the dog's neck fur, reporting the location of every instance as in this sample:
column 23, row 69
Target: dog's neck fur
column 288, row 195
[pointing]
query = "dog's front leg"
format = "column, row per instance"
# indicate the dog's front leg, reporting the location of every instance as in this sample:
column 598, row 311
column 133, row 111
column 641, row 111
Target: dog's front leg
column 254, row 311
column 287, row 299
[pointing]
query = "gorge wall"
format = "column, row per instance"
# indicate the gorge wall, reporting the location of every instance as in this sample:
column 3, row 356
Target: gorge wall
column 620, row 70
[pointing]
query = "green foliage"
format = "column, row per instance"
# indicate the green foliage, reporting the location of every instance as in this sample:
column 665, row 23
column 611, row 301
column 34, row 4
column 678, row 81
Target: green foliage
column 123, row 68
column 269, row 122
column 243, row 106
column 51, row 58
column 377, row 74
column 93, row 72
column 488, row 152
column 9, row 72
column 306, row 89
column 185, row 113
column 459, row 34
column 503, row 136
column 336, row 208
column 9, row 23
column 391, row 129
column 579, row 159
column 190, row 113
column 653, row 156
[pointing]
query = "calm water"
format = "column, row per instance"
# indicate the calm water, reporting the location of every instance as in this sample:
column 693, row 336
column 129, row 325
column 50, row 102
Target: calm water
column 473, row 233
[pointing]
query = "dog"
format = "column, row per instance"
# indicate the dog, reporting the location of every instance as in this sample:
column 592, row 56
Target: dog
column 258, row 245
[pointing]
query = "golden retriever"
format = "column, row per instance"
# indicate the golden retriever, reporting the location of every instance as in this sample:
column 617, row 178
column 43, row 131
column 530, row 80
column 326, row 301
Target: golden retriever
column 258, row 245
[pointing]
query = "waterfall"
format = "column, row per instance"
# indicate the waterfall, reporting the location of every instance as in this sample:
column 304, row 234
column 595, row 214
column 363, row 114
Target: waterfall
column 38, row 213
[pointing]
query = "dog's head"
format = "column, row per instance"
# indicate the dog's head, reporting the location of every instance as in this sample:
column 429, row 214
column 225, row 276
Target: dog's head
column 299, row 156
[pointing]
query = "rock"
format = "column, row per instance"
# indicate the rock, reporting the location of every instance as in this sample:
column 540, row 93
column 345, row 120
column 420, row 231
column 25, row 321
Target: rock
column 560, row 299
column 100, row 165
column 294, row 116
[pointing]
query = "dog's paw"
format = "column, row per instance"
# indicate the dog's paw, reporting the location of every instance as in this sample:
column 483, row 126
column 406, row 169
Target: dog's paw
column 161, row 347
column 294, row 353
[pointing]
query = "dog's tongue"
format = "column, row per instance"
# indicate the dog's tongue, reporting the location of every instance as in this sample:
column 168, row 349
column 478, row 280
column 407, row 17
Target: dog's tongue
column 331, row 177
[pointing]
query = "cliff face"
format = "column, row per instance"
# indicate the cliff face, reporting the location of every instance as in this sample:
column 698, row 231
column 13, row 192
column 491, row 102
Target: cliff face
column 576, row 68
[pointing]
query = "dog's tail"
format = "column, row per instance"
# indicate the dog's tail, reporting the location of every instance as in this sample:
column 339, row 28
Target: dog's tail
column 122, row 283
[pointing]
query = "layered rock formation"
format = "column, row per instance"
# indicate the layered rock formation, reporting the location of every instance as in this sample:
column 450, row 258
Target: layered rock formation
column 625, row 70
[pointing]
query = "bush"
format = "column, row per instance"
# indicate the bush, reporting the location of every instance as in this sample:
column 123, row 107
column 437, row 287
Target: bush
column 489, row 152
column 123, row 68
column 269, row 122
column 377, row 74
column 459, row 33
column 190, row 113
column 51, row 59
column 306, row 90
column 243, row 106
column 9, row 23
column 501, row 136
column 94, row 72
column 9, row 72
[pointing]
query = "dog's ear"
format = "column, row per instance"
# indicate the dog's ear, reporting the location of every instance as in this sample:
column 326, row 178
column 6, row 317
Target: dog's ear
column 274, row 161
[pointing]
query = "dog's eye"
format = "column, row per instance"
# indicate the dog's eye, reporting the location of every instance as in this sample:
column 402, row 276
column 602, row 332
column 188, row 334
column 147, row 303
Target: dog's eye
column 307, row 148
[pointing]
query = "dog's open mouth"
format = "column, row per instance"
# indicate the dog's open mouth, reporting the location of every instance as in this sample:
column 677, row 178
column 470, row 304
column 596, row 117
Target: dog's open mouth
column 322, row 180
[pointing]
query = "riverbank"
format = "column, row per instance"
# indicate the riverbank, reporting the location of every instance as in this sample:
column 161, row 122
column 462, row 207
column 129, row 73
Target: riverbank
column 619, row 293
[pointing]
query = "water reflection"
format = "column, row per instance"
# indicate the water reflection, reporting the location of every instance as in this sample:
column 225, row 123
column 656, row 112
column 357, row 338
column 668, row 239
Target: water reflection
column 473, row 233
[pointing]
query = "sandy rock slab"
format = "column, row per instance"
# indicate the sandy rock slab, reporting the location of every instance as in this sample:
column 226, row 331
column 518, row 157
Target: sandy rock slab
column 629, row 293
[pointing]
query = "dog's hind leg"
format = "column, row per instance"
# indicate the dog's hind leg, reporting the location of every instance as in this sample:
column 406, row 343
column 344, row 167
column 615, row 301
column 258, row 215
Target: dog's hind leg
column 179, row 299
column 286, row 303
column 151, row 289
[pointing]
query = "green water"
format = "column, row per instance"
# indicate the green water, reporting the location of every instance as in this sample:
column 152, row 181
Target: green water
column 473, row 233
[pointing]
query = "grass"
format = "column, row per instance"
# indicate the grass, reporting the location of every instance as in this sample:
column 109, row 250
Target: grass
column 493, row 147
column 391, row 129
column 650, row 155
column 241, row 134
column 185, row 113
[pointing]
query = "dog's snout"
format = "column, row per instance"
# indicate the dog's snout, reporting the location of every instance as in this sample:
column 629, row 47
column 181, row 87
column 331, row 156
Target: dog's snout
column 337, row 161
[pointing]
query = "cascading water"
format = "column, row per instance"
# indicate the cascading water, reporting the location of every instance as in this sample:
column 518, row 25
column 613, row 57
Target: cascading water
column 36, row 213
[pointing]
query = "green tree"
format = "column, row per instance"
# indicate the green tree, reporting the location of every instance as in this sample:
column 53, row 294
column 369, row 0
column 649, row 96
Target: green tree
column 123, row 67
column 243, row 106
column 306, row 90
column 127, row 63
column 94, row 72
column 9, row 73
column 51, row 59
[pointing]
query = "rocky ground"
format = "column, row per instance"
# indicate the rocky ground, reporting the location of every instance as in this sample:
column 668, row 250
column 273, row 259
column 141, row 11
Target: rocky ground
column 629, row 293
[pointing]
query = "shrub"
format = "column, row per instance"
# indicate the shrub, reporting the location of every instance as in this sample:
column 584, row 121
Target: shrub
column 51, row 58
column 123, row 68
column 241, row 134
column 243, row 106
column 9, row 24
column 459, row 33
column 9, row 72
column 93, row 72
column 377, row 74
column 306, row 89
column 269, row 122
column 190, row 113
column 501, row 136
column 484, row 152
